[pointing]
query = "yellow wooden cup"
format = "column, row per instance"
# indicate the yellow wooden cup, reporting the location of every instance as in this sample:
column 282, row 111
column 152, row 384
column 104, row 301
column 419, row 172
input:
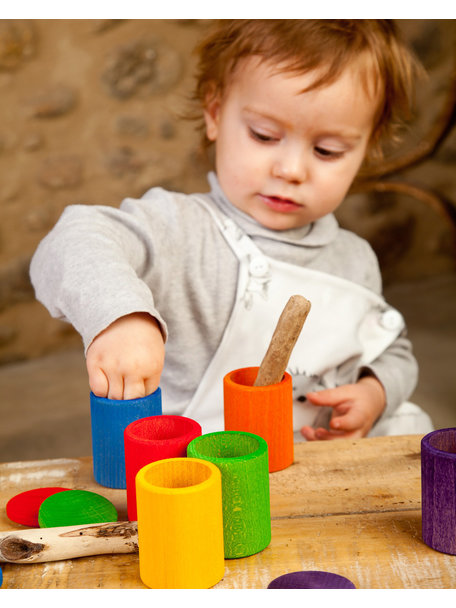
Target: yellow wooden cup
column 180, row 524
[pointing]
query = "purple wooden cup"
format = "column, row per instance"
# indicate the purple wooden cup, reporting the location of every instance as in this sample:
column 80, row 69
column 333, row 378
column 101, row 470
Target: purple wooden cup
column 438, row 490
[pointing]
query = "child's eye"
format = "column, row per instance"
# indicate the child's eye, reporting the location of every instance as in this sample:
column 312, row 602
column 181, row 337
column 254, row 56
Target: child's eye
column 327, row 154
column 258, row 136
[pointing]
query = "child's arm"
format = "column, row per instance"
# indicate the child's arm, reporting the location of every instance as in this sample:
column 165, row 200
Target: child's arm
column 356, row 408
column 126, row 359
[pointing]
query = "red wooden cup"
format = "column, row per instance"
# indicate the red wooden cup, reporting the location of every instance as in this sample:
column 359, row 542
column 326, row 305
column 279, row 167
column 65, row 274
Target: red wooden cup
column 266, row 411
column 154, row 438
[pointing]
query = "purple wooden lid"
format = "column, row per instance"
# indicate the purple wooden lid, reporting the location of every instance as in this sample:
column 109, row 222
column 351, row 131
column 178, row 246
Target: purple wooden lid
column 311, row 579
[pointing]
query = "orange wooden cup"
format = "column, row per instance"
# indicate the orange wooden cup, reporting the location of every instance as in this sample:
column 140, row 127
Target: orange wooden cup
column 266, row 411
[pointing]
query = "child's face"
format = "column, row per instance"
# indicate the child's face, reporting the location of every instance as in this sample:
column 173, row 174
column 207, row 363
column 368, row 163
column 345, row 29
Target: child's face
column 284, row 157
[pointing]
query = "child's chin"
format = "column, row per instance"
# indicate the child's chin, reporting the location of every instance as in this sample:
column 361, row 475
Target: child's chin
column 278, row 222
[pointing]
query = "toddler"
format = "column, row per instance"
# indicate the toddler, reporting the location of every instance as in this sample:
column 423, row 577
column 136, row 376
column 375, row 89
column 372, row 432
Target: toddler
column 177, row 290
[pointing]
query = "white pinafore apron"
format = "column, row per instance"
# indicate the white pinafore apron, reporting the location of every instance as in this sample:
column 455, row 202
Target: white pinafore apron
column 348, row 326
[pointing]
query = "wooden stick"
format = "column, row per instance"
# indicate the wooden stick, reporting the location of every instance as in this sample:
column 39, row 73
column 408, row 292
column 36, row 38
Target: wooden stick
column 283, row 340
column 67, row 542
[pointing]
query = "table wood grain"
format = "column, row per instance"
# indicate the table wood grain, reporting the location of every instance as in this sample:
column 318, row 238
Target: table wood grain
column 348, row 507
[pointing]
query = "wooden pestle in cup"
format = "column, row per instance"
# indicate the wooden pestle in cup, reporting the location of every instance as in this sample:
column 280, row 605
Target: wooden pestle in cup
column 283, row 340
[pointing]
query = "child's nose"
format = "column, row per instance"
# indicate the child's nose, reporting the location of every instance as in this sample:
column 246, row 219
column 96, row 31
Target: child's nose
column 291, row 166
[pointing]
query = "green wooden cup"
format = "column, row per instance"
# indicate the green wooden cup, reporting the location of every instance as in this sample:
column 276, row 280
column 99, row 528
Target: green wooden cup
column 243, row 462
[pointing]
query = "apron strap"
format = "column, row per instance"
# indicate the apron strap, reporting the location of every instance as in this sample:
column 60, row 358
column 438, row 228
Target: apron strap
column 241, row 244
column 254, row 275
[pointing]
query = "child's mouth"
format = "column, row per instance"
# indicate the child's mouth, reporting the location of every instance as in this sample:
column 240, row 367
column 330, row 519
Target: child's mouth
column 283, row 205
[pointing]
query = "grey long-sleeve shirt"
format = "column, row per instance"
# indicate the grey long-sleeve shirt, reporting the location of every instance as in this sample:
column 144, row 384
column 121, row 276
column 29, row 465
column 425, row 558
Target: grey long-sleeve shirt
column 163, row 254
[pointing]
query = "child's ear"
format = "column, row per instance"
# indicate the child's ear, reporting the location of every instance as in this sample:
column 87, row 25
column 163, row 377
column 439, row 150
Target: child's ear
column 211, row 113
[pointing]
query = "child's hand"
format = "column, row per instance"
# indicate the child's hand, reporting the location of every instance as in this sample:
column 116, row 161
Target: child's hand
column 356, row 407
column 125, row 360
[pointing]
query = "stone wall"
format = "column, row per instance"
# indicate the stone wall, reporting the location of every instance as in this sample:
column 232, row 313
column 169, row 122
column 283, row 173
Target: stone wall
column 90, row 113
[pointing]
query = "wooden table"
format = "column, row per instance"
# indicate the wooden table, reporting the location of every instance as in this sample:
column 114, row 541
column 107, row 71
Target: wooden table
column 349, row 507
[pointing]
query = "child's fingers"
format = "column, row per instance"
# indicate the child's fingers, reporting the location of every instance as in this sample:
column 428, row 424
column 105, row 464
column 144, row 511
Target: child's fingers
column 116, row 386
column 98, row 382
column 351, row 420
column 327, row 435
column 330, row 396
column 308, row 433
column 134, row 388
column 322, row 434
column 151, row 385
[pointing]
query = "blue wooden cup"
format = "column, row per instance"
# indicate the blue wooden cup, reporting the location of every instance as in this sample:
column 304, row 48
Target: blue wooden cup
column 110, row 417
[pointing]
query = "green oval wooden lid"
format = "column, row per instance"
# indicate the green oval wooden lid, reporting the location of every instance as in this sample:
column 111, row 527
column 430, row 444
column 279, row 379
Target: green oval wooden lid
column 75, row 507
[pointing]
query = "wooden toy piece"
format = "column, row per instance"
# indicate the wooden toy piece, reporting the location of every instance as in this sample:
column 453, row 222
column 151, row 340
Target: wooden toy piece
column 180, row 525
column 154, row 438
column 260, row 400
column 266, row 411
column 311, row 579
column 68, row 542
column 243, row 461
column 75, row 507
column 283, row 340
column 23, row 508
column 438, row 490
column 109, row 418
